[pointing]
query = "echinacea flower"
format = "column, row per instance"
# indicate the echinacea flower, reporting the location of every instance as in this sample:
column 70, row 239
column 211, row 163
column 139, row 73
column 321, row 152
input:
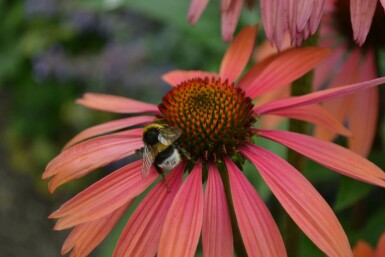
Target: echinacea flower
column 363, row 249
column 354, row 64
column 216, row 115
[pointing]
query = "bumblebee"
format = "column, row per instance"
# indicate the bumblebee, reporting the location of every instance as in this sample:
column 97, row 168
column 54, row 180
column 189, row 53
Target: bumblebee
column 160, row 148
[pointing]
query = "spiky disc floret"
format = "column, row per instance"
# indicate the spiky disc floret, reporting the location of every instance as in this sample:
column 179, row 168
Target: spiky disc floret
column 215, row 117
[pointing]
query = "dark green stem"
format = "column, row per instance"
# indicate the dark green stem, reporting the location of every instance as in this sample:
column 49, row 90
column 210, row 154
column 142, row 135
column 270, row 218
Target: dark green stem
column 239, row 247
column 299, row 87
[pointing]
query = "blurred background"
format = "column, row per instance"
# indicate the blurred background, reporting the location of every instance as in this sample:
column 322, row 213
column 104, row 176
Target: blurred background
column 51, row 52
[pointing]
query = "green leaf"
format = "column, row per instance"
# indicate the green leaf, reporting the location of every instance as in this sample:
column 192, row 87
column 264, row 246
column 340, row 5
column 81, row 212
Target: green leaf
column 350, row 192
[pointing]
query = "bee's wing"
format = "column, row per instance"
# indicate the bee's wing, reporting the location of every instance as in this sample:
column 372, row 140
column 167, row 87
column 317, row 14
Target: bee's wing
column 148, row 160
column 169, row 135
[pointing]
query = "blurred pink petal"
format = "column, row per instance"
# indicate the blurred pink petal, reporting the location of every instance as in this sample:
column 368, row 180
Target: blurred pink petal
column 225, row 4
column 315, row 114
column 89, row 155
column 108, row 127
column 330, row 155
column 317, row 97
column 361, row 13
column 118, row 104
column 85, row 237
column 259, row 232
column 176, row 77
column 196, row 9
column 363, row 249
column 380, row 251
column 230, row 18
column 183, row 224
column 104, row 196
column 301, row 201
column 273, row 13
column 217, row 236
column 238, row 54
column 285, row 68
column 142, row 233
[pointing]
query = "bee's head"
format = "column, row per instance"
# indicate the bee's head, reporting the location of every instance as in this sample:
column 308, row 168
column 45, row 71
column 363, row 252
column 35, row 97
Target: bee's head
column 150, row 136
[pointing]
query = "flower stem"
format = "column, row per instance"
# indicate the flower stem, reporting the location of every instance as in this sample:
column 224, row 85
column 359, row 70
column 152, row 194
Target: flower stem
column 239, row 247
column 299, row 87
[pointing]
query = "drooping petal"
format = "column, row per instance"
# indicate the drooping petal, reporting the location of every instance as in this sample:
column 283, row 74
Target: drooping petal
column 118, row 104
column 301, row 201
column 272, row 12
column 85, row 237
column 230, row 18
column 238, row 54
column 380, row 251
column 89, row 155
column 361, row 12
column 176, row 77
column 196, row 9
column 284, row 69
column 317, row 97
column 181, row 230
column 330, row 155
column 316, row 115
column 108, row 127
column 104, row 196
column 259, row 232
column 142, row 233
column 217, row 236
column 363, row 249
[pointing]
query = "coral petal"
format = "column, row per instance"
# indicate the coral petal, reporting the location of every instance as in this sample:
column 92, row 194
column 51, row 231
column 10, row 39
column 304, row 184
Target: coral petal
column 118, row 104
column 183, row 223
column 380, row 251
column 142, row 233
column 302, row 202
column 85, row 237
column 176, row 77
column 330, row 155
column 108, row 127
column 238, row 54
column 104, row 196
column 259, row 232
column 284, row 69
column 363, row 249
column 217, row 236
column 317, row 97
column 316, row 115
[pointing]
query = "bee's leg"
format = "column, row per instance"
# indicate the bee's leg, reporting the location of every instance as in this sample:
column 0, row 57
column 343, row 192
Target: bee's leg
column 160, row 171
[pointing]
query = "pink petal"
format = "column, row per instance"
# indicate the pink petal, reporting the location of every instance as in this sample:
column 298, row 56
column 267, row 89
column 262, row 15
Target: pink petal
column 89, row 155
column 317, row 97
column 85, row 237
column 284, row 69
column 196, row 9
column 317, row 115
column 109, row 127
column 259, row 232
column 217, row 236
column 238, row 54
column 104, row 196
column 380, row 251
column 301, row 201
column 176, row 77
column 118, row 104
column 330, row 155
column 183, row 223
column 316, row 16
column 142, row 233
column 230, row 19
column 272, row 12
column 225, row 4
column 361, row 12
column 363, row 121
